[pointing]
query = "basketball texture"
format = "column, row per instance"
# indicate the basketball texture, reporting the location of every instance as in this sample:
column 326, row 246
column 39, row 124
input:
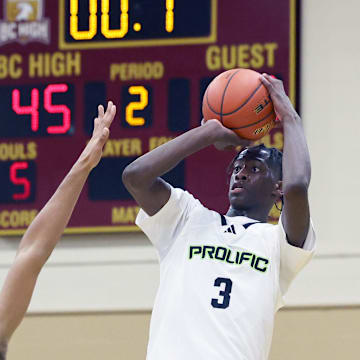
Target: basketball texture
column 241, row 102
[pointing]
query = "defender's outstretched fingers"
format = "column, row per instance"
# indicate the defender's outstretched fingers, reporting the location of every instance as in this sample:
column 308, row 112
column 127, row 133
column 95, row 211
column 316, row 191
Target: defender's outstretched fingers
column 96, row 125
column 100, row 111
column 110, row 114
column 109, row 106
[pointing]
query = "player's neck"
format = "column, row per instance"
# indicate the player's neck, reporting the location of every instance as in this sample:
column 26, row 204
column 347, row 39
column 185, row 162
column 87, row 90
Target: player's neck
column 256, row 214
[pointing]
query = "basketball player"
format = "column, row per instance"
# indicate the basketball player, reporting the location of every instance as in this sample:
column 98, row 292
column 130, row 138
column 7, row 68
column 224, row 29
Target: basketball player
column 222, row 278
column 45, row 231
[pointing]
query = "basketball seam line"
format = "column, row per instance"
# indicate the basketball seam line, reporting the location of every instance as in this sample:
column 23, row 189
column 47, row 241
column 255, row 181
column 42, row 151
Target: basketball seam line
column 207, row 99
column 254, row 123
column 244, row 103
column 223, row 96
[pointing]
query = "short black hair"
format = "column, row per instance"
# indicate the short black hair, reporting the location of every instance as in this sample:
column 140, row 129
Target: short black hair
column 274, row 160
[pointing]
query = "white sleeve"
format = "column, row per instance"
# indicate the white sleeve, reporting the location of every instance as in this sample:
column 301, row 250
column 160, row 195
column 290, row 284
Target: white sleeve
column 292, row 258
column 164, row 227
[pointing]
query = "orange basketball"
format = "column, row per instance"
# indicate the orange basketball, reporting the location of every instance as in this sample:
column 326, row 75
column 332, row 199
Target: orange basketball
column 241, row 102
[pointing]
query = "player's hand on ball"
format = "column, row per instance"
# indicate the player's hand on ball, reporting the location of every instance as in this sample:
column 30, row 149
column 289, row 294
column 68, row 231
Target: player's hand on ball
column 93, row 150
column 226, row 139
column 281, row 101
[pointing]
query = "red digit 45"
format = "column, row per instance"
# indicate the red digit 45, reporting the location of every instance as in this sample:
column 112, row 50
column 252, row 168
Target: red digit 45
column 33, row 108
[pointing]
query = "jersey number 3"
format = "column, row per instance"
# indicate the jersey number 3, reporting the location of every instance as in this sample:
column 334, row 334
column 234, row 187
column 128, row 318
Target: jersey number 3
column 225, row 301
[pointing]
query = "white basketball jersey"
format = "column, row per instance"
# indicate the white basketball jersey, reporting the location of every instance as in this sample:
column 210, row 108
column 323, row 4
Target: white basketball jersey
column 221, row 281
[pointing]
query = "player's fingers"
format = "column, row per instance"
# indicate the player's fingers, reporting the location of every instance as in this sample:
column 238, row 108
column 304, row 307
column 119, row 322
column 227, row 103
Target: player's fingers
column 96, row 123
column 277, row 83
column 112, row 114
column 109, row 115
column 109, row 106
column 100, row 111
column 265, row 80
column 107, row 111
column 270, row 78
column 274, row 86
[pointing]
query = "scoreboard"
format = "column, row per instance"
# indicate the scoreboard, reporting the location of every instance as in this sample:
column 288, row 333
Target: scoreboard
column 154, row 60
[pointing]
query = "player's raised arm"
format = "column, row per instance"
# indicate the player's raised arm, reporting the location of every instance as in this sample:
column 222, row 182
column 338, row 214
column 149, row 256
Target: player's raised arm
column 142, row 177
column 296, row 165
column 45, row 231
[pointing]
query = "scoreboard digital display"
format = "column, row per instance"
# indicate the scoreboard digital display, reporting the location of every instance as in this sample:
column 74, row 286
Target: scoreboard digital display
column 109, row 22
column 154, row 60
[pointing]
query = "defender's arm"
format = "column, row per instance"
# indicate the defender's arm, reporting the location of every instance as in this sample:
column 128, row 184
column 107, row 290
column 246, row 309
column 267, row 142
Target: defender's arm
column 44, row 232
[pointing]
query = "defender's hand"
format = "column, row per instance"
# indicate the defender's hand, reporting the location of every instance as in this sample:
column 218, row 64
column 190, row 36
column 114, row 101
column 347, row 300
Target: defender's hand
column 226, row 139
column 93, row 150
column 282, row 104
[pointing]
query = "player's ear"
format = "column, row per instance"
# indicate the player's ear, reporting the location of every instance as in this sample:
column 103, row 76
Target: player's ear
column 277, row 192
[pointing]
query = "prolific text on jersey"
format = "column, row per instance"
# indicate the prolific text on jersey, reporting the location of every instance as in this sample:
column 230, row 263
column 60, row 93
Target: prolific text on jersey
column 229, row 256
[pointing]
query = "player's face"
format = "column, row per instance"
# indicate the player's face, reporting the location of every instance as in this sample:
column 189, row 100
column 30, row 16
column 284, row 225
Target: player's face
column 252, row 183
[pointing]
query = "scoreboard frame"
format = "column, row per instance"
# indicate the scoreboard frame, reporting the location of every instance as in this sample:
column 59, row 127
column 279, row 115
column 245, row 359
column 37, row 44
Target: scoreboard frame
column 78, row 84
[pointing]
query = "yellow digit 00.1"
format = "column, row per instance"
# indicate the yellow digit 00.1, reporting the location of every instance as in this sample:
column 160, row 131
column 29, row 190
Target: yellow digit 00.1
column 124, row 20
column 136, row 105
column 74, row 28
column 169, row 18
